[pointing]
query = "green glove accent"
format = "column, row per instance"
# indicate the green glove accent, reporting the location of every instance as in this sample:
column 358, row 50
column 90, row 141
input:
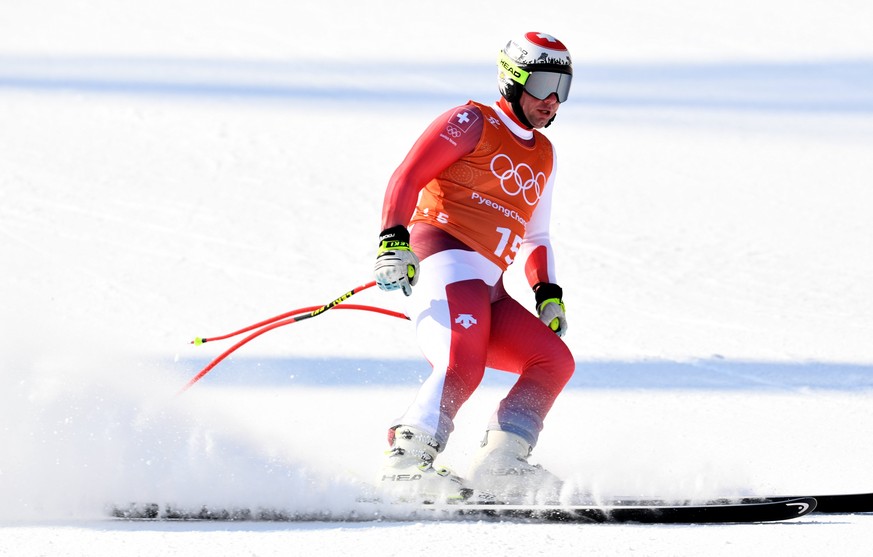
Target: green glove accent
column 555, row 323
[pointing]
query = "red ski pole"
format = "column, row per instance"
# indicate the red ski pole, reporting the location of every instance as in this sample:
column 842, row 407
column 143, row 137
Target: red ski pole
column 203, row 340
column 282, row 320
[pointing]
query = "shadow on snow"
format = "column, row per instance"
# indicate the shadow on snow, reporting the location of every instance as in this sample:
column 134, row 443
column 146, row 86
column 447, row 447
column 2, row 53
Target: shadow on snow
column 827, row 86
column 711, row 374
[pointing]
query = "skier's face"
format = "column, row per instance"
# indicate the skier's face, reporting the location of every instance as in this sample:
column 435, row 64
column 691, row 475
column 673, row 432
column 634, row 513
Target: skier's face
column 539, row 112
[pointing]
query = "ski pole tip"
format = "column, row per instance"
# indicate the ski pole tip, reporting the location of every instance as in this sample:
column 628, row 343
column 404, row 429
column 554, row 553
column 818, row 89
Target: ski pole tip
column 199, row 340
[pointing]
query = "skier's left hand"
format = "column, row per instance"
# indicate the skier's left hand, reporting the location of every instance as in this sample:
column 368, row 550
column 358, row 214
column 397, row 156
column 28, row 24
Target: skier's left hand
column 550, row 307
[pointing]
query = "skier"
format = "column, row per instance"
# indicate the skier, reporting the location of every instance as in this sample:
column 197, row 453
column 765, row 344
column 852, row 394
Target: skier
column 473, row 195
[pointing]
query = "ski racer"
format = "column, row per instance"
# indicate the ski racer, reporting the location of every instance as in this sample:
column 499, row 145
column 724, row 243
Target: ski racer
column 472, row 196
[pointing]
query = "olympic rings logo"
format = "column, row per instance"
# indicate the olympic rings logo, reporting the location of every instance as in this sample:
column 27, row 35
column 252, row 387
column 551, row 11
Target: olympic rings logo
column 519, row 179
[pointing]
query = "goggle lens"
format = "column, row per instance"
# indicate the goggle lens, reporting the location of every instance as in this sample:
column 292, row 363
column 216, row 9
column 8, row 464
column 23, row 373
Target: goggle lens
column 543, row 84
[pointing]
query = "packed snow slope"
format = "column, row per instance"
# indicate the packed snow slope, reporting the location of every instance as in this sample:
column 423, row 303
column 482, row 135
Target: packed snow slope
column 179, row 169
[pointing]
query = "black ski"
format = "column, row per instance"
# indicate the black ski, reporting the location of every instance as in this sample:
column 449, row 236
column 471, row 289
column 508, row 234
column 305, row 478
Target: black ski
column 833, row 504
column 763, row 511
column 736, row 512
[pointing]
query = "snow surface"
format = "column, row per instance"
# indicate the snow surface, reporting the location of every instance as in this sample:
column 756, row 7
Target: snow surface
column 170, row 169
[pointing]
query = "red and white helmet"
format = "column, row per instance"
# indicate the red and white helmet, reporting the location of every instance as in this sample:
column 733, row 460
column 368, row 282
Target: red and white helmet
column 537, row 63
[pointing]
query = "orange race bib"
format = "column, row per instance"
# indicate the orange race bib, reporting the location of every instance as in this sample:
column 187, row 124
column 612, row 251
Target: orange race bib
column 486, row 198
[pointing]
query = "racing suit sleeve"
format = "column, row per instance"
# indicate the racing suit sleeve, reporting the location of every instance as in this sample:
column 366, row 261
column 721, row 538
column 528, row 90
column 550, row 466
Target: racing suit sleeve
column 536, row 249
column 434, row 151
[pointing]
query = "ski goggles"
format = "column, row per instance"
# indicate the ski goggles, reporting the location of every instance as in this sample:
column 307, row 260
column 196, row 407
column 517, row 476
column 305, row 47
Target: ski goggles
column 538, row 84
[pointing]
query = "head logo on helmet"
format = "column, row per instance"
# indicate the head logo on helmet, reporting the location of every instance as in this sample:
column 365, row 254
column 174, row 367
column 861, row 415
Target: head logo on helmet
column 532, row 53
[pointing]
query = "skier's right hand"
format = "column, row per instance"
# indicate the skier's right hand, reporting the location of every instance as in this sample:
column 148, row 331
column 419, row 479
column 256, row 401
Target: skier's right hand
column 396, row 264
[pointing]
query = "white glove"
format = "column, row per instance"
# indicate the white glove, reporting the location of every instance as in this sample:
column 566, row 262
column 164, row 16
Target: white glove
column 550, row 307
column 396, row 264
column 551, row 313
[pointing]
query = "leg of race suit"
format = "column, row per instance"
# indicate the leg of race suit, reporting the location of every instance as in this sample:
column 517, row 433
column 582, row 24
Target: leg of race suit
column 520, row 343
column 451, row 307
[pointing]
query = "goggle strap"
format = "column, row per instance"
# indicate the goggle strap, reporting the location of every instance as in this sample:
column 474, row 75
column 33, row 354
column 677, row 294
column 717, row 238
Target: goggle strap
column 517, row 74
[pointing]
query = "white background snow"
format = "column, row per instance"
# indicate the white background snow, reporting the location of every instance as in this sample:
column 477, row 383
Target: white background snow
column 172, row 169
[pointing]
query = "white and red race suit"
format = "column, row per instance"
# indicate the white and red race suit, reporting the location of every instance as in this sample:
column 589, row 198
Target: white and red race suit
column 476, row 189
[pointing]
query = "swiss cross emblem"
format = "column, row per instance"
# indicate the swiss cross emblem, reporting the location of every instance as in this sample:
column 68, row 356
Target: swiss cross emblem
column 463, row 118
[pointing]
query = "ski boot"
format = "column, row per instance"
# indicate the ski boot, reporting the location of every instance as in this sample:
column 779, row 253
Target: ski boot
column 501, row 469
column 409, row 474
